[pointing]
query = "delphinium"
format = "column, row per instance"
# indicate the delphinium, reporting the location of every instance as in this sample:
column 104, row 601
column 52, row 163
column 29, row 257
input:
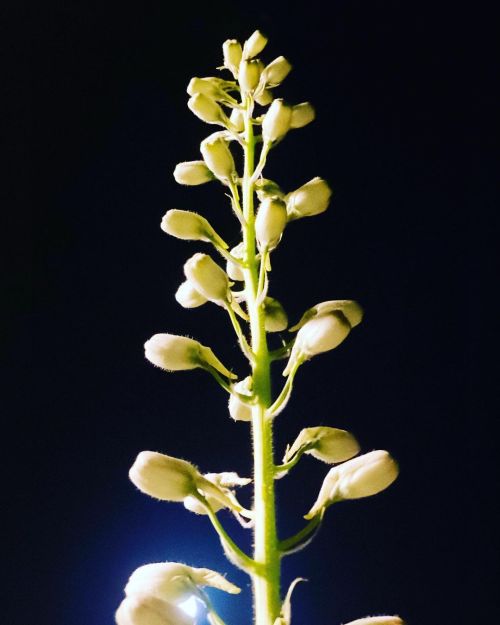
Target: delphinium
column 242, row 104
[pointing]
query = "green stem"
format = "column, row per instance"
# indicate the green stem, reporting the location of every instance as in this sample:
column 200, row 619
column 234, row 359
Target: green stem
column 266, row 580
column 302, row 538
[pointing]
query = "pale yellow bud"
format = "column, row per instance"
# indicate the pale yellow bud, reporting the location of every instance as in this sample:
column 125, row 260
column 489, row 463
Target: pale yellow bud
column 318, row 335
column 163, row 477
column 270, row 222
column 364, row 476
column 210, row 87
column 172, row 352
column 180, row 353
column 328, row 444
column 268, row 188
column 254, row 45
column 351, row 310
column 192, row 173
column 190, row 227
column 218, row 157
column 237, row 120
column 275, row 317
column 310, row 199
column 208, row 278
column 233, row 270
column 238, row 409
column 207, row 109
column 231, row 49
column 377, row 620
column 276, row 122
column 188, row 296
column 276, row 72
column 264, row 97
column 145, row 609
column 249, row 76
column 302, row 114
column 174, row 582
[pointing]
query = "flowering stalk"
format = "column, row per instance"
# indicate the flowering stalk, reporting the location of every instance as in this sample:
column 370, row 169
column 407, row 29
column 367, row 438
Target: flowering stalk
column 155, row 590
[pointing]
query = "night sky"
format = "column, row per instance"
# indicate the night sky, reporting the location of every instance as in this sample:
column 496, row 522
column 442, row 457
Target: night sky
column 404, row 95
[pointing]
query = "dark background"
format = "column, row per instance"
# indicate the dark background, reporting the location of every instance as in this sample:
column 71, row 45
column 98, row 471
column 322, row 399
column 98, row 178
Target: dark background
column 403, row 92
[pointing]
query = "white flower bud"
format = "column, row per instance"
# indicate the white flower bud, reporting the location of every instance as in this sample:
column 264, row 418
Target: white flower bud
column 328, row 444
column 276, row 122
column 238, row 409
column 276, row 72
column 318, row 335
column 233, row 270
column 207, row 109
column 348, row 307
column 377, row 620
column 218, row 157
column 254, row 45
column 208, row 278
column 237, row 120
column 190, row 227
column 210, row 87
column 270, row 222
column 275, row 319
column 310, row 199
column 163, row 477
column 180, row 353
column 232, row 51
column 302, row 114
column 249, row 76
column 364, row 476
column 188, row 297
column 264, row 97
column 174, row 582
column 192, row 173
column 145, row 609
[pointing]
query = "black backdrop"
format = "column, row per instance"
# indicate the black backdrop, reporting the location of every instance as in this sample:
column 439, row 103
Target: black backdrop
column 403, row 93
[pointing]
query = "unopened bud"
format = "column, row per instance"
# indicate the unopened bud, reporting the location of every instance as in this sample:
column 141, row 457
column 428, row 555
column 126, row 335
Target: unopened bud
column 231, row 49
column 218, row 157
column 192, row 173
column 190, row 227
column 233, row 270
column 364, row 476
column 276, row 122
column 210, row 87
column 276, row 72
column 275, row 317
column 163, row 477
column 174, row 582
column 238, row 409
column 268, row 188
column 270, row 222
column 145, row 609
column 207, row 109
column 188, row 296
column 237, row 120
column 328, row 444
column 208, row 278
column 180, row 353
column 351, row 310
column 249, row 76
column 310, row 199
column 254, row 45
column 377, row 620
column 318, row 335
column 264, row 97
column 302, row 114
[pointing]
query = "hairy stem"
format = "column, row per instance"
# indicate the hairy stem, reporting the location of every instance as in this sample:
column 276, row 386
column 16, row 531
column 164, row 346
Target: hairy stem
column 266, row 581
